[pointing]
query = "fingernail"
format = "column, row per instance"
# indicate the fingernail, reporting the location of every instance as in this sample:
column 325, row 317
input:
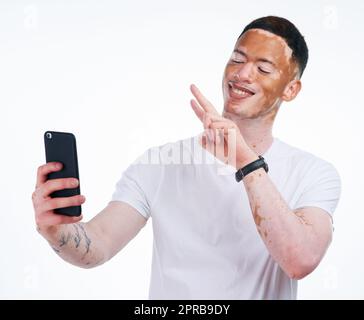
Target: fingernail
column 58, row 166
column 74, row 182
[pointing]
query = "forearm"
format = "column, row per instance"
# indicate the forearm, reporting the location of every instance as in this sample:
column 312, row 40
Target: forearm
column 288, row 237
column 75, row 243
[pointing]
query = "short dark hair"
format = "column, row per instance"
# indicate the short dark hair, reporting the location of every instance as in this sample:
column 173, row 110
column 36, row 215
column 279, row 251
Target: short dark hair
column 288, row 31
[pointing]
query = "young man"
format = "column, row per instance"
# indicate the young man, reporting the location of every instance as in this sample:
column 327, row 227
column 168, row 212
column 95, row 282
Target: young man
column 237, row 214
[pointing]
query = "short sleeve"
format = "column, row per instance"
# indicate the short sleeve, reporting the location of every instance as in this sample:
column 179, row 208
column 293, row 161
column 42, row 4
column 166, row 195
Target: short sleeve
column 129, row 189
column 322, row 188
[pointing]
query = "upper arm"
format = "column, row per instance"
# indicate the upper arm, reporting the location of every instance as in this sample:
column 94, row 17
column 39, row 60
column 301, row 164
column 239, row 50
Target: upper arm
column 321, row 188
column 319, row 223
column 315, row 207
column 116, row 225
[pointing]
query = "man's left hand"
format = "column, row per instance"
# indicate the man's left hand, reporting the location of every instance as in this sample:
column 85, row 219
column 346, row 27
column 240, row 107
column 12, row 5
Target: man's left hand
column 222, row 137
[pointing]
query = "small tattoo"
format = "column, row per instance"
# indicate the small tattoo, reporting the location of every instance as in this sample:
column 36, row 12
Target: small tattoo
column 77, row 237
column 87, row 239
column 64, row 239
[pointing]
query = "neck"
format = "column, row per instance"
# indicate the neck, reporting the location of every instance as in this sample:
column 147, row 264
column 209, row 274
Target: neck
column 257, row 132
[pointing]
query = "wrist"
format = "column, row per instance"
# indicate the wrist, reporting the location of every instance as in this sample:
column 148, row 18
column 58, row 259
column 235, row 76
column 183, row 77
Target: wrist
column 243, row 161
column 50, row 233
column 251, row 167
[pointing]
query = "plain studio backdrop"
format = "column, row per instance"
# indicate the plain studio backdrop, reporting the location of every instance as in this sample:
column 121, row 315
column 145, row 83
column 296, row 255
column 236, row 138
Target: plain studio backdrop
column 117, row 75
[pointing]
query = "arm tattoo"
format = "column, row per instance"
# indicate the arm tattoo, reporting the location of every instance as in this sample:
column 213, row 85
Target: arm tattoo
column 77, row 236
column 87, row 239
column 64, row 239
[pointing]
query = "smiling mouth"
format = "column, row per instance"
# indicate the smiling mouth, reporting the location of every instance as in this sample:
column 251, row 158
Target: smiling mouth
column 239, row 92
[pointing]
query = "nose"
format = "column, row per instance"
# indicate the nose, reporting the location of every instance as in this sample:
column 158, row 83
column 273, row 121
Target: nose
column 245, row 73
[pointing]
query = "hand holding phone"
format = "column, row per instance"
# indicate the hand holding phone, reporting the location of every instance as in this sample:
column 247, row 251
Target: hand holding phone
column 57, row 198
column 44, row 205
column 61, row 147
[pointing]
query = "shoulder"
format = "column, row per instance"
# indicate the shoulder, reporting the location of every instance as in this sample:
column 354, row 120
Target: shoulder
column 301, row 160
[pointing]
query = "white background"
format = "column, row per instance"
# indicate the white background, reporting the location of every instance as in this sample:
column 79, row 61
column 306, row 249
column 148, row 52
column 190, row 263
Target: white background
column 117, row 74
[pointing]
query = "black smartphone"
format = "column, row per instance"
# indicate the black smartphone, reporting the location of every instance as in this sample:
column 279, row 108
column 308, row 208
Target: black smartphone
column 61, row 147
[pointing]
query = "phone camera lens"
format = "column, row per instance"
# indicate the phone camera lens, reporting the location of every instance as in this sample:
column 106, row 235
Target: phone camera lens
column 49, row 135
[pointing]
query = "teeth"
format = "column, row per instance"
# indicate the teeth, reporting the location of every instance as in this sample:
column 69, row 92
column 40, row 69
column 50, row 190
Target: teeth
column 241, row 92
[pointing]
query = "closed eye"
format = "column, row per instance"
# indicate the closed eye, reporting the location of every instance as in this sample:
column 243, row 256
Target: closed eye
column 263, row 71
column 237, row 57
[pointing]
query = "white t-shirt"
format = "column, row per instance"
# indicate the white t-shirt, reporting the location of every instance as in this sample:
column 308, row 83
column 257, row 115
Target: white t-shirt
column 206, row 244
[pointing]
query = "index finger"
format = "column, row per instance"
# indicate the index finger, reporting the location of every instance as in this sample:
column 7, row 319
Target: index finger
column 197, row 109
column 45, row 169
column 205, row 104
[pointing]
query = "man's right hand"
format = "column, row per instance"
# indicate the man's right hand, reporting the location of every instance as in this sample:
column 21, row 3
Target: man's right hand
column 44, row 205
column 82, row 244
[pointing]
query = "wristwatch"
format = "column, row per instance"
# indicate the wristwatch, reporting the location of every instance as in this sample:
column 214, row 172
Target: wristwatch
column 255, row 165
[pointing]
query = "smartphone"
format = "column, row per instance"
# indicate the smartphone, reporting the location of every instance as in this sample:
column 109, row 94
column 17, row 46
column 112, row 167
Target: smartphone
column 61, row 147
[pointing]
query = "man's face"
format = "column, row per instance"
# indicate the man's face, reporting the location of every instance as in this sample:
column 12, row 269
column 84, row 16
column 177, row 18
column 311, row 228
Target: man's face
column 256, row 75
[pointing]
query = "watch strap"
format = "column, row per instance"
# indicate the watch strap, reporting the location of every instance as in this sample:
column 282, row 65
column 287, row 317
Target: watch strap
column 255, row 165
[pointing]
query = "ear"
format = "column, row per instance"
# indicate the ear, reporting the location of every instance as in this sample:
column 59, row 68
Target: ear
column 291, row 90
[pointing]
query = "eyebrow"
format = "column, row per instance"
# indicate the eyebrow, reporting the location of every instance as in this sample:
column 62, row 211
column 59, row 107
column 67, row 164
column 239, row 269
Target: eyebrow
column 259, row 59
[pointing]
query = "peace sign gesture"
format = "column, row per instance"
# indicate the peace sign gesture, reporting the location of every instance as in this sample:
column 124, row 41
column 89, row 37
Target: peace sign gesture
column 222, row 136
